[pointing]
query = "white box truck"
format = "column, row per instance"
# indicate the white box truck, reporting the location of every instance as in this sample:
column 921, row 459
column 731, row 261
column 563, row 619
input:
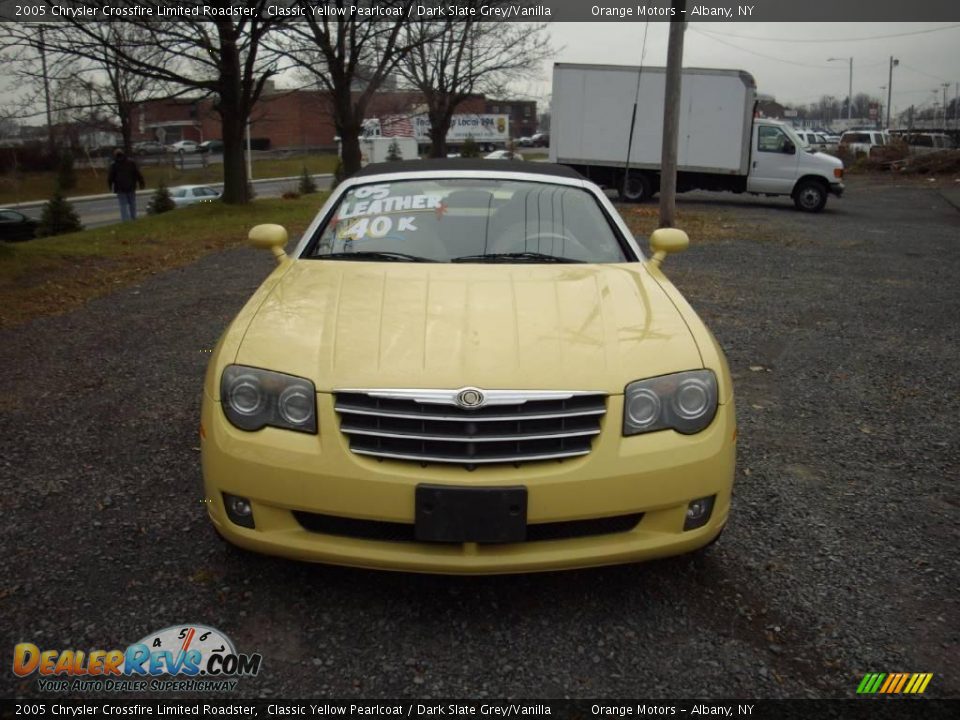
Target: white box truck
column 721, row 145
column 377, row 149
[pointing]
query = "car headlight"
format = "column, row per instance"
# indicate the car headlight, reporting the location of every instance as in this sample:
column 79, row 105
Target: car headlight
column 685, row 402
column 253, row 398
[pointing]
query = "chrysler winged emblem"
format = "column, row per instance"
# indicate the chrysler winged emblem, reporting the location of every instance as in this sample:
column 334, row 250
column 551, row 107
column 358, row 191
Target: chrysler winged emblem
column 470, row 398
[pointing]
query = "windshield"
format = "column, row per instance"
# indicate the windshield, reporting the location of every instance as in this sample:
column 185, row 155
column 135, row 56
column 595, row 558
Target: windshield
column 468, row 220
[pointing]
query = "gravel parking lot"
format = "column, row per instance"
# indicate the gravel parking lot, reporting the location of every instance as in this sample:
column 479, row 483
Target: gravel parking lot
column 842, row 556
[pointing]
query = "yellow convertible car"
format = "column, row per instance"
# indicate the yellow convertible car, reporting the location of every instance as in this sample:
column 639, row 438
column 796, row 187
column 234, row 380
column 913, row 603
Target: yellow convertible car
column 468, row 369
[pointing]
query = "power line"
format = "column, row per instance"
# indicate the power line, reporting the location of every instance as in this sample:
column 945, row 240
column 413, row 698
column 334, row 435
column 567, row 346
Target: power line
column 834, row 40
column 922, row 72
column 710, row 36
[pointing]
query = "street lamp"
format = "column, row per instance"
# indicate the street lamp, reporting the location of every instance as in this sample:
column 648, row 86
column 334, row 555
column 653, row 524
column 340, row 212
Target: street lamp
column 893, row 63
column 850, row 90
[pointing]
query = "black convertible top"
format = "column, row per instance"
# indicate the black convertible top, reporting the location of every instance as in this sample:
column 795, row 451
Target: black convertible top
column 478, row 164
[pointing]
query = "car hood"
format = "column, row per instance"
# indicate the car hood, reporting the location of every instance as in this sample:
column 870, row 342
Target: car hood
column 423, row 325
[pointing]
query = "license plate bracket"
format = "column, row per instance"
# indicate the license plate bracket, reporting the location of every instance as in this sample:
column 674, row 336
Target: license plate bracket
column 446, row 514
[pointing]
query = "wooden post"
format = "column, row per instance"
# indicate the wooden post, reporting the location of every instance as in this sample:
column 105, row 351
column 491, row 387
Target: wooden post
column 671, row 117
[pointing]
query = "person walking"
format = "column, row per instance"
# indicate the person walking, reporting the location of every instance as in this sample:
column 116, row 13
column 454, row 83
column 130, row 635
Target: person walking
column 123, row 180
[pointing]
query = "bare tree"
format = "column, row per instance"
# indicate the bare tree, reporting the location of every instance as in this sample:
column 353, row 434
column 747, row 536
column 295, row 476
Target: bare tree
column 828, row 108
column 113, row 90
column 96, row 88
column 23, row 56
column 222, row 57
column 452, row 60
column 350, row 55
column 862, row 103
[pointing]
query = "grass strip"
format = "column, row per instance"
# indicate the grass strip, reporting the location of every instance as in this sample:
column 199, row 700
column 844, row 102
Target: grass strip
column 50, row 276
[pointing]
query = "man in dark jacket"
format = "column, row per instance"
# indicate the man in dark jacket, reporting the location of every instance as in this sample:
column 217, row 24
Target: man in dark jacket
column 123, row 180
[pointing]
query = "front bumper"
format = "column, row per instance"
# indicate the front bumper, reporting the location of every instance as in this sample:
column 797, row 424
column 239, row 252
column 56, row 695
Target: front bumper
column 284, row 472
column 837, row 189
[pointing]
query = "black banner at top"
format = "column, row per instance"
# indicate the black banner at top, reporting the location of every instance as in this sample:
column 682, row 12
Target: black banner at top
column 492, row 10
column 491, row 709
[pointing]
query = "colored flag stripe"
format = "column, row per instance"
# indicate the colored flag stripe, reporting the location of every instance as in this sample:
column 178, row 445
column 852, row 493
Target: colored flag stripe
column 880, row 681
column 894, row 683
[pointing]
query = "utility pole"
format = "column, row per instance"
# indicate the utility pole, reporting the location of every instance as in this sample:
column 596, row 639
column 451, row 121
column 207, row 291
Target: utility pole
column 893, row 64
column 849, row 90
column 850, row 94
column 46, row 90
column 671, row 116
column 945, row 86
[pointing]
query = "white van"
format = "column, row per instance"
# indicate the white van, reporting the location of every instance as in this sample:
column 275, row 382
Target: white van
column 862, row 142
column 923, row 143
column 815, row 141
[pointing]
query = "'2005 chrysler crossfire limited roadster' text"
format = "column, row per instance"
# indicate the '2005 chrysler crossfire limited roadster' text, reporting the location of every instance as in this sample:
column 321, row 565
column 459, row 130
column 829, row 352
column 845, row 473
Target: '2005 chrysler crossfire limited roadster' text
column 468, row 369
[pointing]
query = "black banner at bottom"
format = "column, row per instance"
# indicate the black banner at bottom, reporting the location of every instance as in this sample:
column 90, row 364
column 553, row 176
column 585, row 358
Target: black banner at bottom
column 865, row 709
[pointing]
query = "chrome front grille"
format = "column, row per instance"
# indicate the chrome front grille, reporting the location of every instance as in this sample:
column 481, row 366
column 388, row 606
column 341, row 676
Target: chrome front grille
column 510, row 426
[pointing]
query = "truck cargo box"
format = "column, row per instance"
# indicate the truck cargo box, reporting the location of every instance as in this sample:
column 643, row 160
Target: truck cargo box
column 592, row 110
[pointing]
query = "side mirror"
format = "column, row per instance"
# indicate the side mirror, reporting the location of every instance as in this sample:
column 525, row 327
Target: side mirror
column 270, row 237
column 665, row 241
column 789, row 148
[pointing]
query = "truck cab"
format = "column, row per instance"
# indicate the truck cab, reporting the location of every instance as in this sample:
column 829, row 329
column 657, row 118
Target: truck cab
column 782, row 164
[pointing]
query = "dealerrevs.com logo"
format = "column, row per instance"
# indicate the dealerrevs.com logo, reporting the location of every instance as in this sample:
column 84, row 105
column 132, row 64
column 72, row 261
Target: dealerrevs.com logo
column 179, row 658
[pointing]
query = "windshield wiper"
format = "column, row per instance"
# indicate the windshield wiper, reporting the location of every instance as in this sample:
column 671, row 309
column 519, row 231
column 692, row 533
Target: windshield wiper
column 514, row 257
column 374, row 256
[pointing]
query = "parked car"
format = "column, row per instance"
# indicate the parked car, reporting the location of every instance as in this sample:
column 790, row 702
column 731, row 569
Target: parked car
column 466, row 369
column 102, row 151
column 524, row 142
column 862, row 142
column 924, row 143
column 541, row 139
column 184, row 147
column 210, row 146
column 149, row 147
column 16, row 226
column 815, row 141
column 193, row 194
column 503, row 155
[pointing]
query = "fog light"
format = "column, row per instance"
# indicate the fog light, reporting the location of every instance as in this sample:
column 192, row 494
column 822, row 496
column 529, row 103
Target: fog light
column 238, row 510
column 698, row 513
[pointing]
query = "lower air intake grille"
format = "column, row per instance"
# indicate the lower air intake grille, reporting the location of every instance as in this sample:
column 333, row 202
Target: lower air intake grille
column 404, row 532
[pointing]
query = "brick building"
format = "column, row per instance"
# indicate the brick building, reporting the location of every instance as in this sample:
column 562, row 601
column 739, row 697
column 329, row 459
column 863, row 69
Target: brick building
column 284, row 118
column 523, row 115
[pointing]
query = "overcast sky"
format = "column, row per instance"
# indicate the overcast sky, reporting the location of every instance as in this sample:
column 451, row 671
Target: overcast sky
column 788, row 60
column 783, row 66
